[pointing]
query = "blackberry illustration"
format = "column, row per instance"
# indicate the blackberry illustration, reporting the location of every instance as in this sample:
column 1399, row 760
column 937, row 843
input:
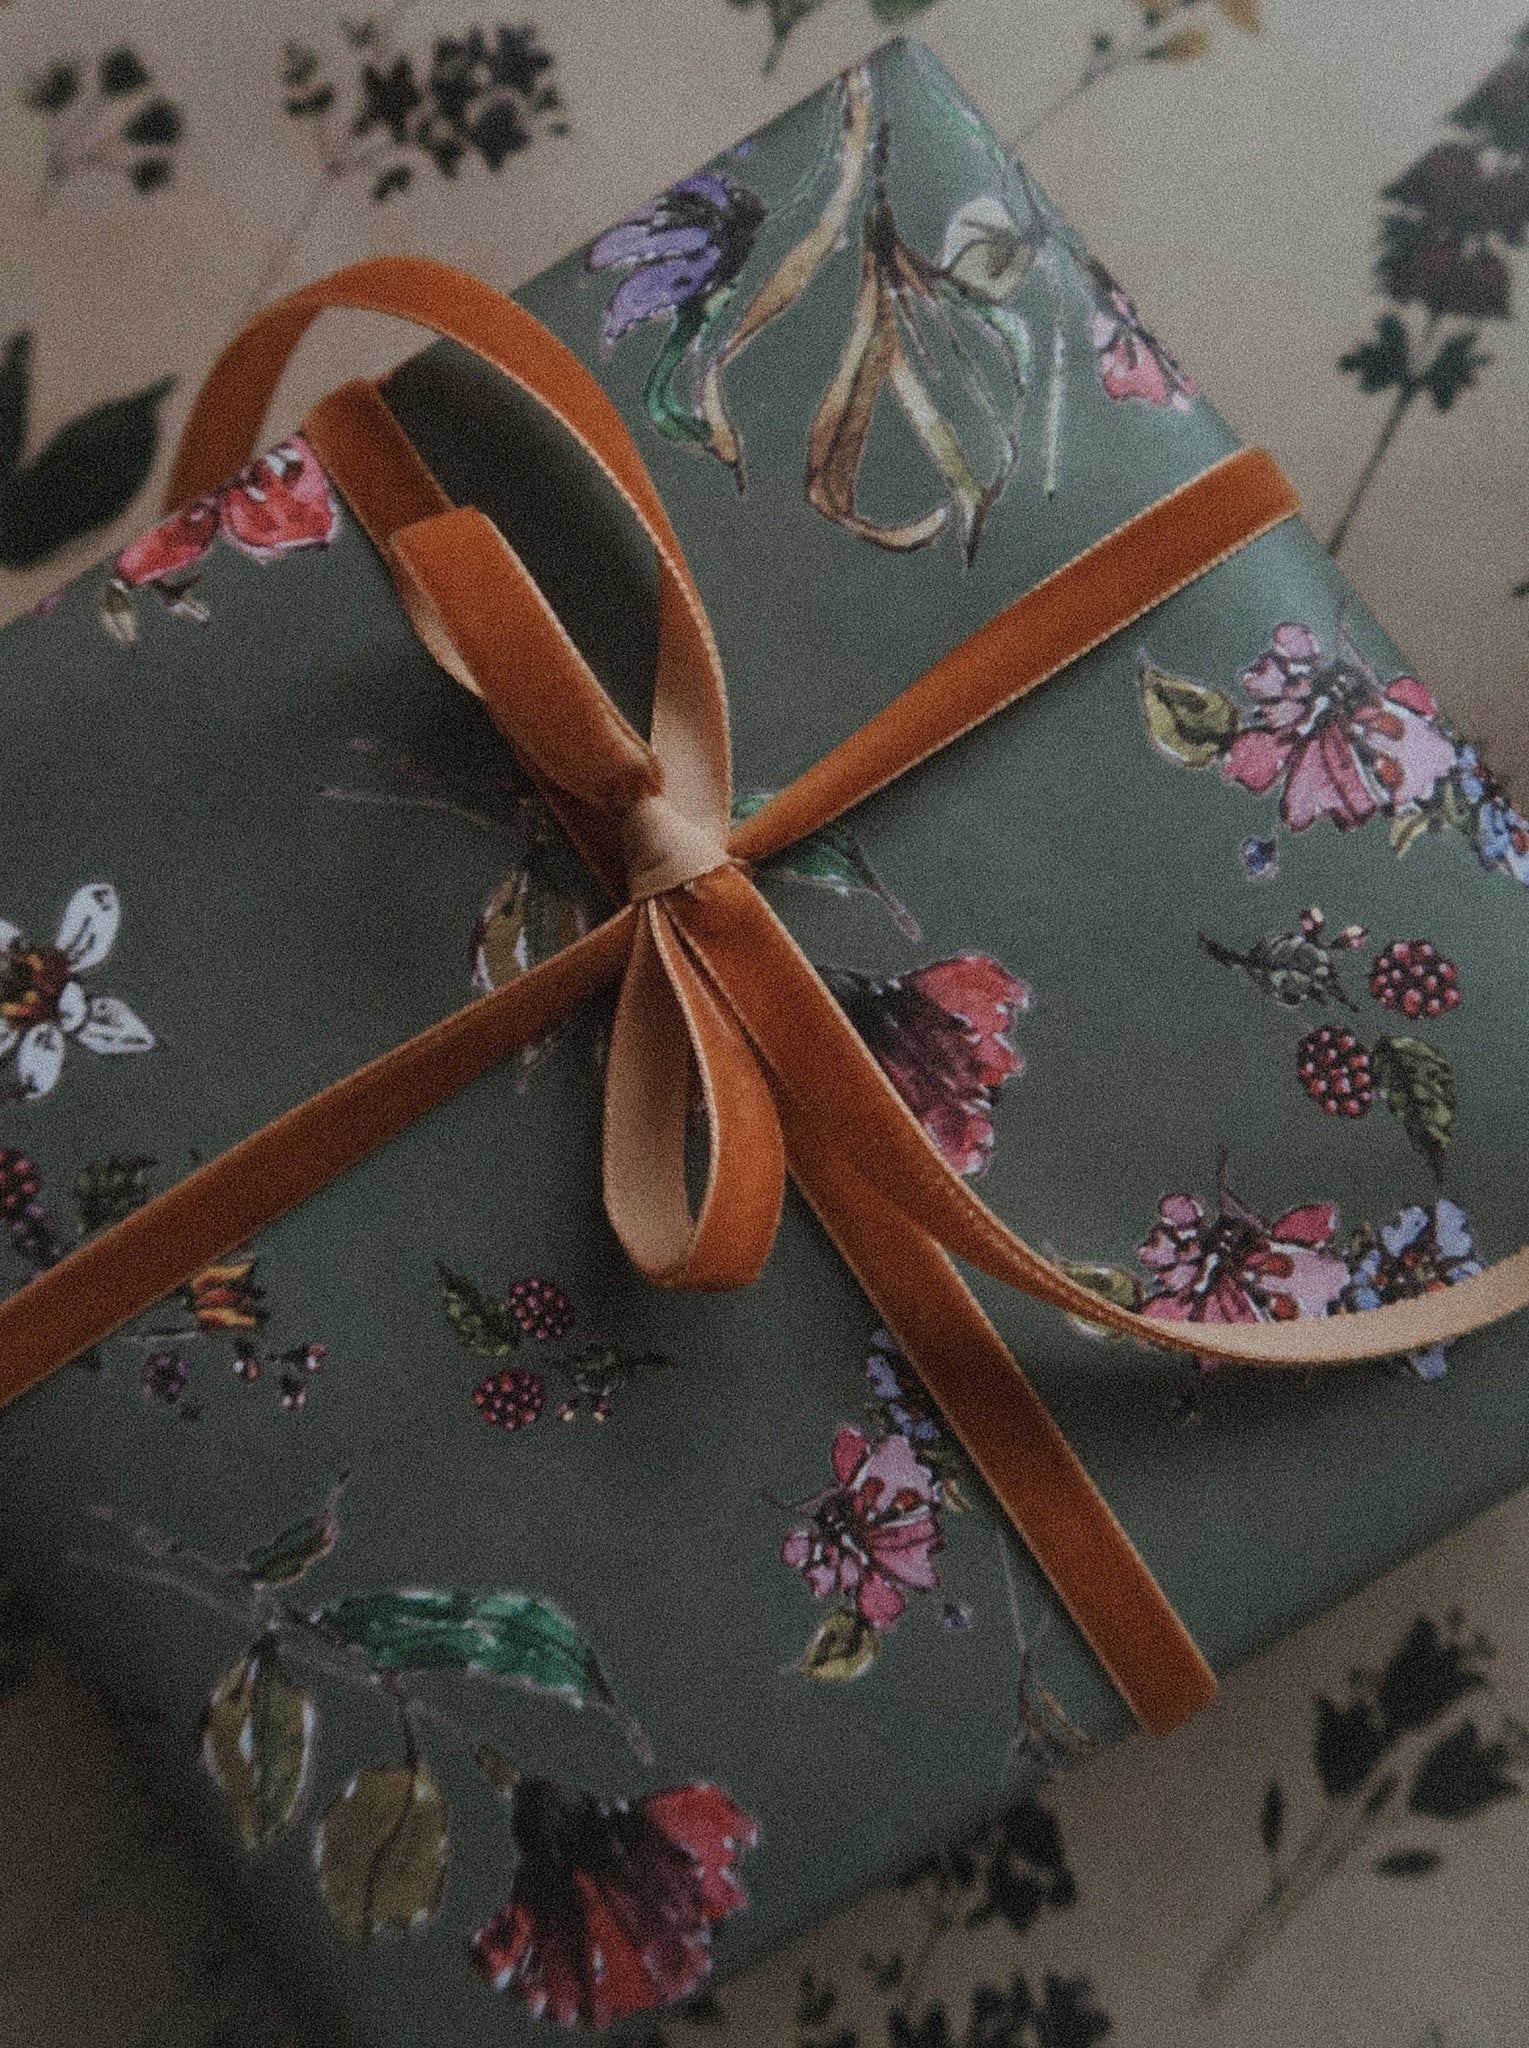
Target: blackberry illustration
column 164, row 1377
column 541, row 1308
column 1413, row 976
column 34, row 1238
column 510, row 1399
column 20, row 1180
column 1335, row 1071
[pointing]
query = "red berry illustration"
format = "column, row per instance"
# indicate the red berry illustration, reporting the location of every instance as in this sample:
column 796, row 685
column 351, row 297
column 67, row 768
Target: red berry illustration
column 541, row 1308
column 1335, row 1071
column 510, row 1399
column 1413, row 976
column 20, row 1181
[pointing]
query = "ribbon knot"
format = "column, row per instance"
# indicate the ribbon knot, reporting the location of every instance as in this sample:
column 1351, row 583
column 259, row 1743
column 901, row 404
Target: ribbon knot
column 716, row 999
column 664, row 849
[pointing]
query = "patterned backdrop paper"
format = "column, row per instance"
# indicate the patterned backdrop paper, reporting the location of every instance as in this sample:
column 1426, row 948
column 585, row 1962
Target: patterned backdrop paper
column 1334, row 1853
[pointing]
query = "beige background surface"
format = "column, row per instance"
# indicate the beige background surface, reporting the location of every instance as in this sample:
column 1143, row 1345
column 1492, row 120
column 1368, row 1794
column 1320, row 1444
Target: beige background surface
column 1237, row 194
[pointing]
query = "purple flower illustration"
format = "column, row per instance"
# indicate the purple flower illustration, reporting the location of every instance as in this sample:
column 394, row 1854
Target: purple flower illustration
column 1418, row 1251
column 677, row 250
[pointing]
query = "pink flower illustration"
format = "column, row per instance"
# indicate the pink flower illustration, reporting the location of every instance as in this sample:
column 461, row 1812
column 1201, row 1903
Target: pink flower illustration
column 940, row 1035
column 1132, row 363
column 280, row 503
column 1344, row 745
column 1235, row 1268
column 874, row 1532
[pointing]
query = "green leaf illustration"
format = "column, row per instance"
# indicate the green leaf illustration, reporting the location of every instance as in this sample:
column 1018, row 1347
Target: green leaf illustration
column 1112, row 1282
column 110, row 1189
column 844, row 1647
column 1417, row 1084
column 513, row 1636
column 257, row 1745
column 482, row 1322
column 284, row 1560
column 81, row 479
column 523, row 923
column 1187, row 721
column 381, row 1851
column 830, row 858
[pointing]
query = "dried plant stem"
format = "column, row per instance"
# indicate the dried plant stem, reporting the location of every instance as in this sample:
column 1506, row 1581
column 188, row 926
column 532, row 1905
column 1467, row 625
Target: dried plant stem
column 1394, row 418
column 1342, row 1830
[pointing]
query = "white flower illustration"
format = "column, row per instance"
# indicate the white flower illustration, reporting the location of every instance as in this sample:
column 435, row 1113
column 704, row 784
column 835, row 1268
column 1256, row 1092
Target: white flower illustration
column 42, row 1004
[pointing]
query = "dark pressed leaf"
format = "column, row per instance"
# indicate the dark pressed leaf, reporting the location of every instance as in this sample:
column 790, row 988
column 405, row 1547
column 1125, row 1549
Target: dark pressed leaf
column 1460, row 1775
column 109, row 1189
column 121, row 71
column 1424, row 1677
column 53, row 90
column 1417, row 1084
column 397, row 178
column 893, row 11
column 316, row 102
column 158, row 123
column 150, row 173
column 284, row 1560
column 1271, row 1818
column 845, row 1646
column 482, row 1321
column 15, row 401
column 257, row 1744
column 514, row 1636
column 1189, row 722
column 1348, row 1744
column 831, row 858
column 1378, row 1800
column 91, row 470
column 1408, row 1863
column 1454, row 369
column 299, row 67
column 381, row 1852
column 1385, row 362
column 815, row 2002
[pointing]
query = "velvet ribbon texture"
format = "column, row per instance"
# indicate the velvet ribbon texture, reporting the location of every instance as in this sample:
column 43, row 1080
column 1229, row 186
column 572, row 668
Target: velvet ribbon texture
column 715, row 996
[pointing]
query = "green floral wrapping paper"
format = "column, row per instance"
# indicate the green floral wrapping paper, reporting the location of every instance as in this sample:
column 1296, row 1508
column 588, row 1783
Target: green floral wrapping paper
column 522, row 1636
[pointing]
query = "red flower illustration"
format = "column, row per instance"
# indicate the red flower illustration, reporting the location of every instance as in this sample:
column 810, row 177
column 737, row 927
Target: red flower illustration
column 280, row 503
column 874, row 1532
column 614, row 1900
column 940, row 1036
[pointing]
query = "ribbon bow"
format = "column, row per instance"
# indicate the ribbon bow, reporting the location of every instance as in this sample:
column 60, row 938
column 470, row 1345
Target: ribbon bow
column 714, row 990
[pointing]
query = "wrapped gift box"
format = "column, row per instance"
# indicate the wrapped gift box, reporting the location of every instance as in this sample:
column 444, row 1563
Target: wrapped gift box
column 517, row 1631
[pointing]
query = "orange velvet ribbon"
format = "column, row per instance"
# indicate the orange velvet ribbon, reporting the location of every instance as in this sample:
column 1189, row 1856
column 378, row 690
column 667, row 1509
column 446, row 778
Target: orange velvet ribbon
column 714, row 990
